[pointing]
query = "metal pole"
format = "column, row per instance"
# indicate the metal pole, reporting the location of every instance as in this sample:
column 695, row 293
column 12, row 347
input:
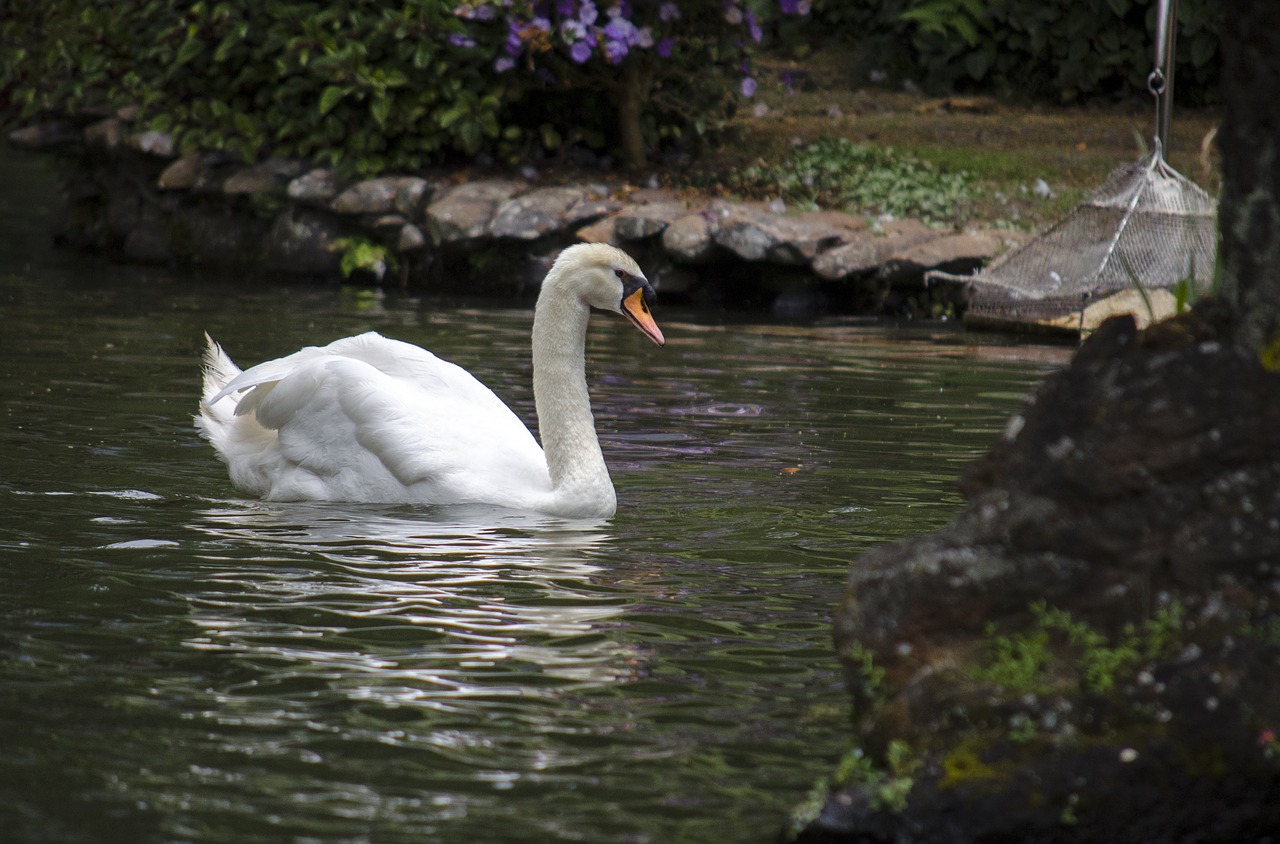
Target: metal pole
column 1161, row 80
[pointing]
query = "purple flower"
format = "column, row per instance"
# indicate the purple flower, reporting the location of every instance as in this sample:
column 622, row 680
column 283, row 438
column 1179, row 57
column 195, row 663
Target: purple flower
column 753, row 26
column 665, row 46
column 504, row 63
column 580, row 51
column 615, row 51
column 587, row 12
column 457, row 39
column 789, row 7
column 621, row 30
column 670, row 12
column 565, row 8
column 748, row 87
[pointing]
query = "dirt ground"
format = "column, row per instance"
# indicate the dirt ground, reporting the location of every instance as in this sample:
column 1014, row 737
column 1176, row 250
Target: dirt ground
column 1004, row 146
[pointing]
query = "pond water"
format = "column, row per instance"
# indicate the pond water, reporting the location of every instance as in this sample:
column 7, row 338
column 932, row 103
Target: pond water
column 178, row 663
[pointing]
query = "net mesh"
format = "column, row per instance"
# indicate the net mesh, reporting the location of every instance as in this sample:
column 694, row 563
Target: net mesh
column 1146, row 228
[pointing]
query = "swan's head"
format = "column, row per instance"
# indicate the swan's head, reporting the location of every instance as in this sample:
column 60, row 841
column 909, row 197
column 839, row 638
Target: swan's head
column 603, row 276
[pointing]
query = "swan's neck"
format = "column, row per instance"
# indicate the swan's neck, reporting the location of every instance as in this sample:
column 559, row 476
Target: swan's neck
column 565, row 423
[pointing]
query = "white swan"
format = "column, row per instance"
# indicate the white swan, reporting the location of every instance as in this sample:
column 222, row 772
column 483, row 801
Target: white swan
column 376, row 420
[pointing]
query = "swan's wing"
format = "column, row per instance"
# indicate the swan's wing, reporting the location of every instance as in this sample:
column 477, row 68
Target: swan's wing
column 372, row 419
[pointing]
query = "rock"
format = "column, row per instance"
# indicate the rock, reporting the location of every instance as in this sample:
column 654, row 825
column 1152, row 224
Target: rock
column 410, row 238
column 315, row 187
column 546, row 210
column 181, row 174
column 105, row 136
column 265, row 177
column 463, row 212
column 151, row 142
column 691, row 239
column 379, row 196
column 755, row 235
column 956, row 252
column 44, row 136
column 638, row 222
column 411, row 194
column 302, row 241
column 1080, row 655
column 149, row 241
column 868, row 250
column 601, row 231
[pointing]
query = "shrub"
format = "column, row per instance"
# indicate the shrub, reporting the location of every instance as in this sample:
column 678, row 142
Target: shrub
column 1064, row 50
column 369, row 86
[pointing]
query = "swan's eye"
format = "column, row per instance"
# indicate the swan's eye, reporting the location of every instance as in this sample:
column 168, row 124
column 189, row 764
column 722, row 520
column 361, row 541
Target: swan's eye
column 621, row 274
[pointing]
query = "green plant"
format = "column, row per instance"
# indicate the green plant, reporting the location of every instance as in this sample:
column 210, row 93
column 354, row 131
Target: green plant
column 835, row 172
column 1058, row 647
column 362, row 254
column 1065, row 50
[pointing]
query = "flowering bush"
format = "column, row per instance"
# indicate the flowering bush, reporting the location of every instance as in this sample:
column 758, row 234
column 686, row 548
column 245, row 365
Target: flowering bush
column 376, row 85
column 660, row 67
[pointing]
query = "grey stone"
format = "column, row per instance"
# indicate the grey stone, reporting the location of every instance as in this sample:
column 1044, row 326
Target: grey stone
column 463, row 212
column 376, row 196
column 302, row 241
column 601, row 231
column 546, row 210
column 756, row 235
column 315, row 187
column 105, row 135
column 43, row 136
column 264, row 177
column 151, row 142
column 638, row 222
column 410, row 238
column 691, row 239
column 869, row 250
column 181, row 174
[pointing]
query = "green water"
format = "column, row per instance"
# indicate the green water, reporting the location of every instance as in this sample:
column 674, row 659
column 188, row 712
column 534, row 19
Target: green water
column 178, row 663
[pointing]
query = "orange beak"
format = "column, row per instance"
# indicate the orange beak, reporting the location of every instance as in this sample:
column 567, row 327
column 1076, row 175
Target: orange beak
column 637, row 310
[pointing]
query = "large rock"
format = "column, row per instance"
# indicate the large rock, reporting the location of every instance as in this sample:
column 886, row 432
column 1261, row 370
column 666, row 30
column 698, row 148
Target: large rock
column 545, row 211
column 267, row 176
column 314, row 187
column 690, row 239
column 762, row 235
column 868, row 250
column 382, row 195
column 41, row 137
column 463, row 212
column 1089, row 652
column 638, row 222
column 302, row 241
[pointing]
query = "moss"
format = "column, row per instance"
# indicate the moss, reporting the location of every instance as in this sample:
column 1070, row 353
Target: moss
column 964, row 765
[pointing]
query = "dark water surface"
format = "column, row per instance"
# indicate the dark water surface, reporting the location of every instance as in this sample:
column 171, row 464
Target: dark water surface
column 178, row 663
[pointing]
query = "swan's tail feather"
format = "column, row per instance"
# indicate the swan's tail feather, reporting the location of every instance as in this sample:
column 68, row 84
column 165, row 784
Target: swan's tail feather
column 214, row 418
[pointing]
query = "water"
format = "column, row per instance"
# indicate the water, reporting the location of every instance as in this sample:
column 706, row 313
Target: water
column 178, row 663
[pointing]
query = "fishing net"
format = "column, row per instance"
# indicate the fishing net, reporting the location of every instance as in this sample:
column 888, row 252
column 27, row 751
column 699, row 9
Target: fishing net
column 1141, row 242
column 1144, row 237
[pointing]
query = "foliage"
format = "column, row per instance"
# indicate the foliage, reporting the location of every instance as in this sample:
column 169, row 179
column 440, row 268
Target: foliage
column 369, row 86
column 1057, row 645
column 1065, row 50
column 836, row 172
column 362, row 254
column 658, row 68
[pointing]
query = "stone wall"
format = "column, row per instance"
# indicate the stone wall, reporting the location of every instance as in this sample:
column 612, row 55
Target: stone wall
column 133, row 195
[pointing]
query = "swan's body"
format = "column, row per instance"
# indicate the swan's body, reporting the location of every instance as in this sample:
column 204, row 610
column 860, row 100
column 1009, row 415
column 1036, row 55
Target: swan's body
column 376, row 420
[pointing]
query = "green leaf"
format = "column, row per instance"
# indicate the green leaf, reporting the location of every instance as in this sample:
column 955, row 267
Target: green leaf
column 380, row 108
column 188, row 51
column 330, row 97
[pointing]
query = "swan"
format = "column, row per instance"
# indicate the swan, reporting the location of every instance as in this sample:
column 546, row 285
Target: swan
column 370, row 419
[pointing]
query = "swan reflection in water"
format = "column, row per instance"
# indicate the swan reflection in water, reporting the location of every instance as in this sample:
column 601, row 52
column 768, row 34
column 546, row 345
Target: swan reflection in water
column 406, row 605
